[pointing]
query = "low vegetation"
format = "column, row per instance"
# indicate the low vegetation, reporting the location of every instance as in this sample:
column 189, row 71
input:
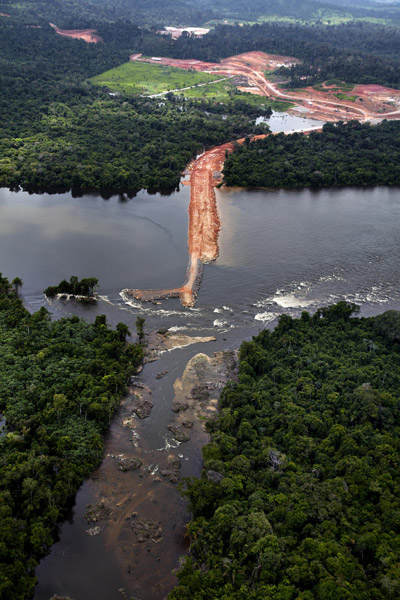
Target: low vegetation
column 61, row 382
column 299, row 496
column 149, row 78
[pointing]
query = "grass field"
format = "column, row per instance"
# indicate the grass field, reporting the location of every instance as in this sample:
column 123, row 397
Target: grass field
column 225, row 92
column 145, row 78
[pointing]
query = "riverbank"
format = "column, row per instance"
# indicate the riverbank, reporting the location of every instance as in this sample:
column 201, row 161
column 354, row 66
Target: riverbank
column 129, row 515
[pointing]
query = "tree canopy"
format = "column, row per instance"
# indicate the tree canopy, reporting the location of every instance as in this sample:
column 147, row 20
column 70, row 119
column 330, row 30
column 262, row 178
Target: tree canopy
column 60, row 382
column 299, row 496
column 341, row 154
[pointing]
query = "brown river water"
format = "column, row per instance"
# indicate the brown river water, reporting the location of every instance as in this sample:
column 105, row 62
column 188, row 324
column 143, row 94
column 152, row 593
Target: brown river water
column 280, row 251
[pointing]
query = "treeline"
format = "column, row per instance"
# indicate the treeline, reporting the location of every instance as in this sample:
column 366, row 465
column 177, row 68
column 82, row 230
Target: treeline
column 299, row 496
column 61, row 382
column 81, row 14
column 75, row 287
column 114, row 143
column 356, row 52
column 58, row 132
column 75, row 14
column 341, row 154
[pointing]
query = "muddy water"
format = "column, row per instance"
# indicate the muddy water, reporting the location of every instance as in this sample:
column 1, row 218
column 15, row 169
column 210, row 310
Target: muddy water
column 116, row 561
column 280, row 251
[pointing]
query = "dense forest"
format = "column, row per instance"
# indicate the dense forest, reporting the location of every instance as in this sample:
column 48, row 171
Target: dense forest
column 76, row 14
column 59, row 132
column 155, row 13
column 341, row 154
column 61, row 382
column 75, row 287
column 356, row 52
column 299, row 496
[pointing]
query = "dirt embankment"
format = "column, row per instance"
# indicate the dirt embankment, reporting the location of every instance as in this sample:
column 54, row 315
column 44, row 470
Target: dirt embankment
column 88, row 35
column 372, row 102
column 204, row 226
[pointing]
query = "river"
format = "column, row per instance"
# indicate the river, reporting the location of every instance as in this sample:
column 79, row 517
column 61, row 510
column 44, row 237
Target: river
column 280, row 251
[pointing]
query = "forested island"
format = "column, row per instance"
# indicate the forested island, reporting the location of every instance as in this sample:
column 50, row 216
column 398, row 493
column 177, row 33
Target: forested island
column 299, row 496
column 61, row 382
column 74, row 287
column 341, row 154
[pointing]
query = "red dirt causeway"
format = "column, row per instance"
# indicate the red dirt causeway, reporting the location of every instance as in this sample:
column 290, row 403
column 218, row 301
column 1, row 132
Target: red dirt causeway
column 371, row 102
column 88, row 35
column 204, row 226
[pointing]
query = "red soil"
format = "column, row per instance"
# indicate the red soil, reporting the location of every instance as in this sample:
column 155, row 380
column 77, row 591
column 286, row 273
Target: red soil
column 88, row 35
column 372, row 101
column 204, row 223
column 371, row 89
column 4, row 15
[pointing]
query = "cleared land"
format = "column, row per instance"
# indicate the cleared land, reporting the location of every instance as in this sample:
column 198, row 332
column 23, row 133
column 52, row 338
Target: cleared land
column 366, row 103
column 87, row 35
column 320, row 102
column 150, row 79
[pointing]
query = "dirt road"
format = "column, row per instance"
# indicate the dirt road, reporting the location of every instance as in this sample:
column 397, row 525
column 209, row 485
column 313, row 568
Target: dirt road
column 204, row 223
column 372, row 102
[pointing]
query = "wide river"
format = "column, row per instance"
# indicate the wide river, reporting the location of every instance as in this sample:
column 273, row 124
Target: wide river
column 280, row 251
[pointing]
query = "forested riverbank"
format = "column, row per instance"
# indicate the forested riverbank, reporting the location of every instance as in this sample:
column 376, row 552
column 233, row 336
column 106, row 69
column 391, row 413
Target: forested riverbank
column 300, row 487
column 61, row 382
column 341, row 154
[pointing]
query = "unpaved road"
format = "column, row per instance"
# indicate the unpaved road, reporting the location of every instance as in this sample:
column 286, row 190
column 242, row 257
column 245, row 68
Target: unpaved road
column 204, row 223
column 320, row 105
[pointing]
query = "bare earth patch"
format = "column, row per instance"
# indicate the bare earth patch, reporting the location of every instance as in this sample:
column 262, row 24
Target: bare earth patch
column 88, row 35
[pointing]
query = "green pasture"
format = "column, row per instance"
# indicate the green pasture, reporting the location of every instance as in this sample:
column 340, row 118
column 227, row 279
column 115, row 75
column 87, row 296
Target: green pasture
column 147, row 78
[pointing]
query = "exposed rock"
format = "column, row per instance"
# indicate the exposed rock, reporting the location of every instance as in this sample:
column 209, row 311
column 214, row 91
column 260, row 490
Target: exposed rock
column 163, row 340
column 145, row 529
column 160, row 375
column 99, row 512
column 214, row 476
column 94, row 530
column 129, row 464
column 200, row 392
column 179, row 405
column 141, row 405
column 173, row 469
column 179, row 435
